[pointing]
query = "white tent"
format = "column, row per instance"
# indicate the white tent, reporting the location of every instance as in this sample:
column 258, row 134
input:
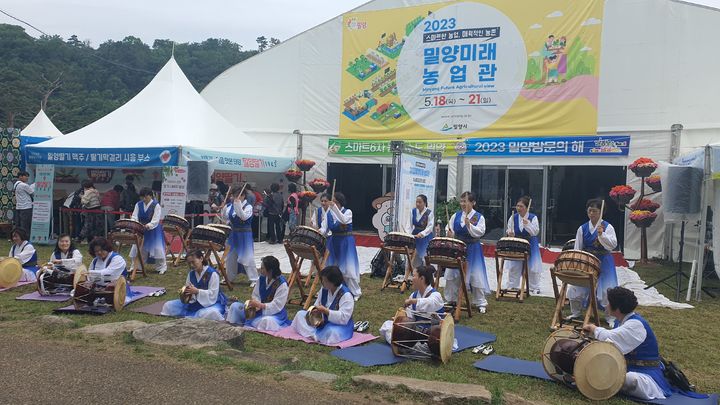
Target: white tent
column 41, row 127
column 167, row 123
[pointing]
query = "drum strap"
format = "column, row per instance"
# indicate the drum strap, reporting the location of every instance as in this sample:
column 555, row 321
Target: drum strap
column 644, row 363
column 273, row 287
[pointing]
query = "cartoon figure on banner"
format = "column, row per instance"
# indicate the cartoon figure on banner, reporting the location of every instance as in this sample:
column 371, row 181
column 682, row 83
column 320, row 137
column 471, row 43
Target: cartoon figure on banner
column 382, row 220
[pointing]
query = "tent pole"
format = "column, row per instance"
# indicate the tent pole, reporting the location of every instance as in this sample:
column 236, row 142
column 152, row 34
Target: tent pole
column 707, row 181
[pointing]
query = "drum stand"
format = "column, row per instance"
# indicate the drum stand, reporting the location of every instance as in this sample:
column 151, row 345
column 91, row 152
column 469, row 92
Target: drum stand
column 459, row 263
column 212, row 249
column 297, row 257
column 392, row 252
column 588, row 281
column 176, row 232
column 127, row 239
column 519, row 294
column 315, row 272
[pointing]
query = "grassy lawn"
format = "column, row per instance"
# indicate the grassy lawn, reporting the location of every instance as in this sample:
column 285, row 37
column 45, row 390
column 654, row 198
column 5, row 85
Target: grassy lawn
column 691, row 338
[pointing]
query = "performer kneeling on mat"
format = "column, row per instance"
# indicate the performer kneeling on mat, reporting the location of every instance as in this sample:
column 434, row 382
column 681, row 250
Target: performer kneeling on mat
column 268, row 298
column 65, row 257
column 597, row 237
column 25, row 252
column 241, row 257
column 343, row 251
column 148, row 212
column 421, row 224
column 336, row 304
column 203, row 287
column 468, row 226
column 107, row 265
column 525, row 225
column 634, row 337
column 424, row 300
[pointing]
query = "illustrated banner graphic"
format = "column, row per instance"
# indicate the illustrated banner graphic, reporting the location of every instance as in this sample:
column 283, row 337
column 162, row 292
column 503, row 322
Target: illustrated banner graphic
column 42, row 204
column 482, row 68
column 174, row 190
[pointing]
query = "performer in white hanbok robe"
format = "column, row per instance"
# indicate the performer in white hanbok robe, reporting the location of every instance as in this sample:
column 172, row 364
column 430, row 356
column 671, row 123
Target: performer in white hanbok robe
column 241, row 257
column 149, row 213
column 107, row 266
column 66, row 257
column 599, row 239
column 336, row 303
column 468, row 226
column 421, row 225
column 319, row 217
column 269, row 297
column 203, row 285
column 343, row 251
column 634, row 337
column 525, row 225
column 25, row 252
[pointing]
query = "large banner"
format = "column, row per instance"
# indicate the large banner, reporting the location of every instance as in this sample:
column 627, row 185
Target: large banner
column 42, row 204
column 9, row 169
column 414, row 176
column 472, row 69
column 174, row 190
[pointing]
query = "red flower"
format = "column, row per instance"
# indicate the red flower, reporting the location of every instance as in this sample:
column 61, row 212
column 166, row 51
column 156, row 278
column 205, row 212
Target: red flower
column 642, row 218
column 319, row 185
column 293, row 175
column 645, row 205
column 654, row 182
column 305, row 164
column 643, row 162
column 623, row 191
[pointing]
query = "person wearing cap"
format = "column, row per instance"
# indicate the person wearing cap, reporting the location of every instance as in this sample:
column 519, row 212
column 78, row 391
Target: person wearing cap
column 23, row 201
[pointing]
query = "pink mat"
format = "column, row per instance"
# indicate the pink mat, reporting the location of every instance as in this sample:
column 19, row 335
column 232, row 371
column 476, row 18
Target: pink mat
column 289, row 333
column 35, row 296
column 20, row 284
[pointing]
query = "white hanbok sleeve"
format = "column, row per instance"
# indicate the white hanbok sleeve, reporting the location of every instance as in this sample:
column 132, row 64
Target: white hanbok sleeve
column 430, row 225
column 209, row 297
column 433, row 303
column 157, row 214
column 324, row 226
column 242, row 213
column 478, row 230
column 448, row 227
column 510, row 226
column 313, row 219
column 136, row 212
column 343, row 218
column 627, row 337
column 23, row 255
column 579, row 239
column 278, row 302
column 608, row 239
column 112, row 272
column 73, row 263
column 345, row 311
column 256, row 292
column 408, row 226
column 533, row 227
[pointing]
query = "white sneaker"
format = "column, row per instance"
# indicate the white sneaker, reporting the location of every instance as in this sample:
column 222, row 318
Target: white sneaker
column 163, row 271
column 252, row 284
column 399, row 278
column 482, row 310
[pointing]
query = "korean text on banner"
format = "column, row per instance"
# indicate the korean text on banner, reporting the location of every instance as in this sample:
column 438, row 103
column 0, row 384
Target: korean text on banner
column 475, row 68
column 42, row 204
column 174, row 190
column 417, row 176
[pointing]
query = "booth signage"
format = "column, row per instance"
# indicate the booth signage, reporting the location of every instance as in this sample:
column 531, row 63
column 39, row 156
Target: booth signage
column 118, row 157
column 42, row 204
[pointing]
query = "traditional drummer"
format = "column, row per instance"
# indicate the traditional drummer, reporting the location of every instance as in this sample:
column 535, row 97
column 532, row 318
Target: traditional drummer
column 107, row 265
column 598, row 237
column 149, row 212
column 25, row 253
column 422, row 302
column 421, row 224
column 468, row 226
column 524, row 224
column 343, row 252
column 268, row 299
column 66, row 257
column 336, row 304
column 202, row 285
column 241, row 257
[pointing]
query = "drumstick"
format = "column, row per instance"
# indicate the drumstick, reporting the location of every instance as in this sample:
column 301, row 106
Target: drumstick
column 529, row 204
column 332, row 195
column 602, row 210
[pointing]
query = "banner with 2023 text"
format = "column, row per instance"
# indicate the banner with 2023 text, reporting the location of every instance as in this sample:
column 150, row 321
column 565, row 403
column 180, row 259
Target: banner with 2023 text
column 482, row 68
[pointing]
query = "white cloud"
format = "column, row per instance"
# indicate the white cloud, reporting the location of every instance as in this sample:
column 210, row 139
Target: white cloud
column 591, row 21
column 536, row 53
column 585, row 49
column 555, row 14
column 535, row 27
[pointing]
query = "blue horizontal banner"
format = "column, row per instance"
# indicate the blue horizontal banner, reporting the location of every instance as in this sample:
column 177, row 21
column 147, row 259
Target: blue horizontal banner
column 611, row 145
column 95, row 157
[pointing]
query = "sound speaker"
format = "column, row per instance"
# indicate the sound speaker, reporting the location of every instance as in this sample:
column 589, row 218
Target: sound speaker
column 682, row 189
column 198, row 178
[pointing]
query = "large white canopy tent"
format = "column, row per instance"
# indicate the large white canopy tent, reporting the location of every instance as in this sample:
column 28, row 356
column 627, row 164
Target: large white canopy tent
column 167, row 123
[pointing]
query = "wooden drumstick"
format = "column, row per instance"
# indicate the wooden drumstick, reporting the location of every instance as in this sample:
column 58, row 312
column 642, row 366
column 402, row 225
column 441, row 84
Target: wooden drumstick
column 529, row 204
column 602, row 210
column 332, row 195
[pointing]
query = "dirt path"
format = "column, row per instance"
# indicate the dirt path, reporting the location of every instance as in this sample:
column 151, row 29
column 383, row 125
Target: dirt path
column 62, row 373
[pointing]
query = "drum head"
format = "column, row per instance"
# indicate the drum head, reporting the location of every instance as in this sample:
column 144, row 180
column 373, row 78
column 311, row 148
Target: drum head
column 119, row 294
column 80, row 275
column 447, row 337
column 600, row 370
column 563, row 333
column 307, row 228
column 10, row 272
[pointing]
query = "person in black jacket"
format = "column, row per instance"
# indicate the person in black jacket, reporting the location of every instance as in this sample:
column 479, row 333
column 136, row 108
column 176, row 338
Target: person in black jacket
column 274, row 207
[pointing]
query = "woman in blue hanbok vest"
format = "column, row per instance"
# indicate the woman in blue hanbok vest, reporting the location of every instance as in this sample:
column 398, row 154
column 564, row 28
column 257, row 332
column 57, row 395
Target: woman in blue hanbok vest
column 424, row 300
column 148, row 212
column 421, row 225
column 203, row 285
column 525, row 225
column 65, row 257
column 336, row 303
column 634, row 337
column 343, row 250
column 25, row 252
column 241, row 257
column 107, row 265
column 269, row 297
column 320, row 216
column 596, row 237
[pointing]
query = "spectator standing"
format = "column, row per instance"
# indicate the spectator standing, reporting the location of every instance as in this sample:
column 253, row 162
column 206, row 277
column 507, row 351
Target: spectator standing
column 23, row 201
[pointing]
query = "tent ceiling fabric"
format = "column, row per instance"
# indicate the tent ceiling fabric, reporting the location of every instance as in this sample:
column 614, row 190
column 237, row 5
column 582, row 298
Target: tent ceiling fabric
column 41, row 127
column 168, row 112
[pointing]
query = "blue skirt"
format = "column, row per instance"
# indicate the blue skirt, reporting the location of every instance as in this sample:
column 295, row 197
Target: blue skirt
column 241, row 243
column 329, row 249
column 421, row 246
column 535, row 259
column 332, row 333
column 477, row 273
column 608, row 276
column 236, row 315
column 154, row 243
column 177, row 308
column 344, row 255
